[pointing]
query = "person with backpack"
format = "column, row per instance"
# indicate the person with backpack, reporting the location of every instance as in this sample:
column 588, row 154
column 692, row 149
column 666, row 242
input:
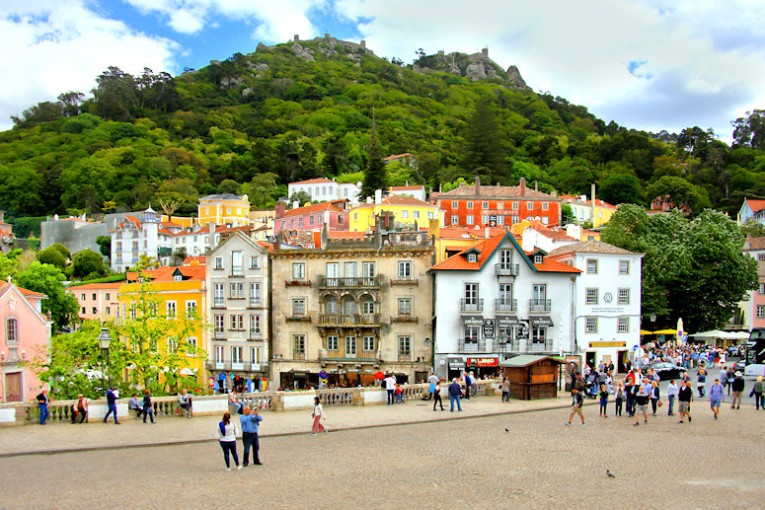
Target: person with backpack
column 226, row 434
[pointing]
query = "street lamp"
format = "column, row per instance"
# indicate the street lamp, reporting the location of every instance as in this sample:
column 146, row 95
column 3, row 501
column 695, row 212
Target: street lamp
column 104, row 340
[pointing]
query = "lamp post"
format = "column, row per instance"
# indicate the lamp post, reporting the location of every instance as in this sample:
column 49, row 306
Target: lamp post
column 104, row 340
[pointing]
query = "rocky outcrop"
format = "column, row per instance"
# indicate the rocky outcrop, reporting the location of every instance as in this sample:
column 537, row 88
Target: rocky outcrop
column 515, row 79
column 475, row 67
column 301, row 52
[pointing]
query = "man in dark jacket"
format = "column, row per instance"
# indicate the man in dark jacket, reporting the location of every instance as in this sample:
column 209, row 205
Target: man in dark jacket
column 111, row 404
column 454, row 394
column 738, row 385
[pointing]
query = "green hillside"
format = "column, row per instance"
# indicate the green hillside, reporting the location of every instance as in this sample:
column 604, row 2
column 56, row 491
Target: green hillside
column 253, row 123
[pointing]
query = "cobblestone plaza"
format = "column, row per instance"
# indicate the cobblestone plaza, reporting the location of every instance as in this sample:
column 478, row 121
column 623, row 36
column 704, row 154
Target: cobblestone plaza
column 451, row 463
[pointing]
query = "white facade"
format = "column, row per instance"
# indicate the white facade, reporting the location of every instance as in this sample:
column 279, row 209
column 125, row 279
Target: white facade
column 543, row 237
column 322, row 190
column 238, row 294
column 506, row 303
column 608, row 295
column 195, row 242
column 135, row 237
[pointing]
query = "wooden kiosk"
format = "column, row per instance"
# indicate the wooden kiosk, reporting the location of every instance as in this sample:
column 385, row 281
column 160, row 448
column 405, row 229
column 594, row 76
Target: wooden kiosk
column 532, row 377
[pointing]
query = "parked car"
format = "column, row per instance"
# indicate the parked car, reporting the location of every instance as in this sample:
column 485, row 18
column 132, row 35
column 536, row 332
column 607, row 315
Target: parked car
column 665, row 370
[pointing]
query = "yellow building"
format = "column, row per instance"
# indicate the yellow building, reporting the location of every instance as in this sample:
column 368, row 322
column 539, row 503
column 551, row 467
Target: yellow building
column 406, row 211
column 178, row 293
column 596, row 212
column 224, row 209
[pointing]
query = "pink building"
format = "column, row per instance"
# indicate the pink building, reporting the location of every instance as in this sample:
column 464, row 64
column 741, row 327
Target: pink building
column 754, row 309
column 25, row 335
column 97, row 300
column 312, row 217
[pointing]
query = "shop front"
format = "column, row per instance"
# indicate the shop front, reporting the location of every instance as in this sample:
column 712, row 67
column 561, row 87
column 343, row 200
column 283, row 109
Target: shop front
column 455, row 367
column 486, row 366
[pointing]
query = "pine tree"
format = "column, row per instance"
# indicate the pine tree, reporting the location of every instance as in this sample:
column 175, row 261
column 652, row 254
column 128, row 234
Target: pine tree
column 484, row 151
column 374, row 174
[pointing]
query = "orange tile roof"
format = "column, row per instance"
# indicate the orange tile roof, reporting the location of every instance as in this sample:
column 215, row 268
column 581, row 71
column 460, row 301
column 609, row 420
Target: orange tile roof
column 399, row 200
column 458, row 232
column 317, row 180
column 553, row 266
column 314, row 208
column 550, row 232
column 459, row 263
column 493, row 192
column 195, row 260
column 402, row 188
column 755, row 204
column 345, row 235
column 754, row 243
column 165, row 273
column 26, row 292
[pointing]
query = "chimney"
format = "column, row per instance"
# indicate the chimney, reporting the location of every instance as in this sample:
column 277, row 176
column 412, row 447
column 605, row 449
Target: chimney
column 477, row 185
column 522, row 186
column 378, row 196
column 536, row 185
column 295, row 204
column 280, row 209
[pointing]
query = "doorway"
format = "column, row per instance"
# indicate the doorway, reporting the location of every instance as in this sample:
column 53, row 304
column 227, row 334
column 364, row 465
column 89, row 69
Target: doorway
column 589, row 358
column 13, row 387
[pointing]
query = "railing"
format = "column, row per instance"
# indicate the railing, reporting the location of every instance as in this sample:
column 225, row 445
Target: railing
column 471, row 305
column 255, row 302
column 404, row 318
column 219, row 302
column 255, row 334
column 237, row 366
column 349, row 319
column 540, row 305
column 237, row 271
column 506, row 269
column 506, row 305
column 349, row 281
column 336, row 396
column 472, row 346
column 545, row 346
column 411, row 280
column 257, row 400
column 299, row 355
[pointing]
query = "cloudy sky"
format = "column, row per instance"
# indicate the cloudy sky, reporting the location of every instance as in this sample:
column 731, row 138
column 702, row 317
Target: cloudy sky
column 647, row 64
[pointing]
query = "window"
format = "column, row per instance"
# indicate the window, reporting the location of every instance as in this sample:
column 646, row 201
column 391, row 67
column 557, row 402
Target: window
column 404, row 269
column 171, row 309
column 237, row 352
column 592, row 266
column 591, row 296
column 254, row 354
column 300, row 222
column 405, row 346
column 94, row 310
column 236, row 263
column 591, row 325
column 93, row 297
column 82, row 297
column 485, row 219
column 500, row 220
column 405, row 306
column 12, row 330
column 505, row 294
column 760, row 311
column 298, row 271
column 500, row 205
column 515, row 206
column 332, row 343
column 368, row 343
column 455, row 219
column 761, row 290
column 298, row 307
column 254, row 294
column 82, row 310
column 760, row 257
column 470, row 205
column 331, row 306
column 471, row 334
column 191, row 309
column 471, row 294
column 172, row 345
column 108, row 310
column 108, row 296
column 236, row 290
column 404, row 214
column 237, row 322
column 454, row 204
column 623, row 325
column 545, row 206
column 538, row 259
column 515, row 219
column 310, row 221
column 623, row 297
column 485, row 205
column 350, row 346
column 368, row 307
column 218, row 296
column 505, row 259
column 255, row 324
column 254, row 262
column 340, row 219
column 416, row 215
column 469, row 219
column 624, row 267
column 530, row 206
column 368, row 269
column 219, row 321
column 472, row 257
column 219, row 356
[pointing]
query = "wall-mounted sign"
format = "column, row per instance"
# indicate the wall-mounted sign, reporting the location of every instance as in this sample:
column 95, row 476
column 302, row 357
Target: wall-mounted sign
column 488, row 328
column 615, row 343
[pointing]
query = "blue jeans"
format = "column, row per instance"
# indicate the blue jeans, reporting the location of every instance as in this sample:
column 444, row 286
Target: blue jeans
column 43, row 413
column 452, row 399
column 112, row 410
column 671, row 405
column 391, row 397
column 229, row 447
column 148, row 411
column 250, row 440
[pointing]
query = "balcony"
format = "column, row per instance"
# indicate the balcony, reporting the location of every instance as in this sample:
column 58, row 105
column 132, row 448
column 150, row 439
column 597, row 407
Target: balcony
column 298, row 318
column 299, row 356
column 410, row 280
column 350, row 282
column 219, row 302
column 505, row 305
column 506, row 269
column 471, row 305
column 472, row 345
column 297, row 283
column 237, row 366
column 349, row 321
column 237, row 271
column 540, row 305
column 255, row 302
column 404, row 317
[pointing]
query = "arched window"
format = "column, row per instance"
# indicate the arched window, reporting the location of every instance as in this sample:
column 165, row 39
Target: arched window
column 349, row 306
column 331, row 306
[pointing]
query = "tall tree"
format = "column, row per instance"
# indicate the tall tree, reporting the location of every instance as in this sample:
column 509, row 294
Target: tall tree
column 49, row 280
column 374, row 173
column 749, row 131
column 484, row 146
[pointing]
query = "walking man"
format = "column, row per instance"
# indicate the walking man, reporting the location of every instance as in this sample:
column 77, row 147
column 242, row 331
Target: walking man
column 684, row 397
column 468, row 385
column 577, row 401
column 672, row 390
column 437, row 396
column 42, row 403
column 390, row 387
column 738, row 386
column 716, row 397
column 250, row 421
column 432, row 381
column 641, row 399
column 454, row 395
column 111, row 404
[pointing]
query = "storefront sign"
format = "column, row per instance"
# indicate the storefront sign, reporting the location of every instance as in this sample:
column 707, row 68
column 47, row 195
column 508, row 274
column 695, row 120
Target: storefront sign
column 472, row 321
column 482, row 362
column 508, row 322
column 488, row 328
column 542, row 322
column 456, row 364
column 595, row 345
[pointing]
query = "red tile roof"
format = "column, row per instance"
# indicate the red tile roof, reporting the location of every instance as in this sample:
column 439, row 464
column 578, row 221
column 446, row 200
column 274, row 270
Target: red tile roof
column 192, row 260
column 399, row 200
column 165, row 273
column 755, row 204
column 550, row 233
column 27, row 293
column 495, row 192
column 458, row 232
column 345, row 235
column 317, row 180
column 402, row 188
column 314, row 208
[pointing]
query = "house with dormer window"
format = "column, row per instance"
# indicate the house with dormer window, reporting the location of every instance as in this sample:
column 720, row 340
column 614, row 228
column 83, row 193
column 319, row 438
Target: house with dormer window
column 510, row 302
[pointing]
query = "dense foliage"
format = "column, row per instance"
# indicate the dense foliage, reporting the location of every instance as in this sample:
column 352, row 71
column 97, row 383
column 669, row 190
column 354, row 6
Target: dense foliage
column 256, row 122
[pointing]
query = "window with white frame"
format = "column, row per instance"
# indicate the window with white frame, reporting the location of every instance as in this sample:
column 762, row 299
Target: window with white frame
column 530, row 206
column 237, row 354
column 545, row 206
column 760, row 311
column 591, row 296
column 191, row 309
column 236, row 263
column 455, row 219
column 298, row 307
column 515, row 206
column 171, row 309
column 254, row 354
column 469, row 219
column 624, row 267
column 500, row 205
column 592, row 266
column 484, row 205
column 405, row 213
column 404, row 306
column 623, row 297
column 350, row 346
column 470, row 204
column 761, row 257
column 236, row 290
column 761, row 290
column 416, row 215
column 255, row 324
column 367, row 307
column 404, row 269
column 333, row 342
column 218, row 264
column 219, row 323
column 623, row 325
column 298, row 344
column 254, row 293
column 368, row 343
column 471, row 334
column 172, row 345
column 404, row 345
column 12, row 330
column 236, row 321
column 254, row 262
column 454, row 204
column 298, row 271
column 368, row 269
column 220, row 353
column 191, row 346
column 591, row 325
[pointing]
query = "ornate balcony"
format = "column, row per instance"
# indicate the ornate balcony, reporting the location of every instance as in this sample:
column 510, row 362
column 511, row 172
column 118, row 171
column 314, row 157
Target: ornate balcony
column 349, row 321
column 350, row 282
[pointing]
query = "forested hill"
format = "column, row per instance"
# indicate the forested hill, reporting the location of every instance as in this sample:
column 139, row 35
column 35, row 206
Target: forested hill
column 252, row 123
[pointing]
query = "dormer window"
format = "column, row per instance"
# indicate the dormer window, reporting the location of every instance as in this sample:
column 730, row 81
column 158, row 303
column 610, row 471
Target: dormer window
column 472, row 257
column 177, row 278
column 538, row 259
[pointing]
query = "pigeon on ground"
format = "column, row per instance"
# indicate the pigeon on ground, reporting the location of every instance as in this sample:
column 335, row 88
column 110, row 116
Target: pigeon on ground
column 609, row 474
column 507, row 429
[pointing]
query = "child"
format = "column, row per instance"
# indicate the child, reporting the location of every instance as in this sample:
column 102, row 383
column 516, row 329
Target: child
column 603, row 394
column 399, row 394
column 619, row 398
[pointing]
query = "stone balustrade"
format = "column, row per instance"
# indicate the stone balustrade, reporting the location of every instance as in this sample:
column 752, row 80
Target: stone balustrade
column 25, row 413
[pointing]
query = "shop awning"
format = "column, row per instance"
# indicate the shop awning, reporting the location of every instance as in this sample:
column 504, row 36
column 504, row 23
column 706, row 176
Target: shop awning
column 508, row 322
column 483, row 362
column 542, row 322
column 472, row 321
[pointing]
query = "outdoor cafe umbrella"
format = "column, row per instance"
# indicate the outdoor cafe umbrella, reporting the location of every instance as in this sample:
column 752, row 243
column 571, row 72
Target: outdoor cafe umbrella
column 379, row 375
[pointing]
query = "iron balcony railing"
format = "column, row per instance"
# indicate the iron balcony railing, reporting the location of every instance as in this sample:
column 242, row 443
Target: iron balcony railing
column 506, row 305
column 506, row 269
column 540, row 305
column 471, row 305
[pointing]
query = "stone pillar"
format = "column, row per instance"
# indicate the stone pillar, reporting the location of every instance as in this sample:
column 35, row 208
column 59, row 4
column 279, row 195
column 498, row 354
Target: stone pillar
column 276, row 402
column 358, row 397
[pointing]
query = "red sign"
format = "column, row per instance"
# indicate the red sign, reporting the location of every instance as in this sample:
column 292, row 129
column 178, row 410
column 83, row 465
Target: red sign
column 483, row 362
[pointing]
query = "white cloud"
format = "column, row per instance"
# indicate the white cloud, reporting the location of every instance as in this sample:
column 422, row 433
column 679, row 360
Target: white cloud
column 54, row 46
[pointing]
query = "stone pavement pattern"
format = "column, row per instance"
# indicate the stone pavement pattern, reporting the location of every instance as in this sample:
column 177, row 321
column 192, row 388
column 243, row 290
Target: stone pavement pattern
column 468, row 463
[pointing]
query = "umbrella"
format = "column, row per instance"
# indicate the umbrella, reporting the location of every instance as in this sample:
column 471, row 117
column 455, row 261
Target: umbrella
column 646, row 332
column 379, row 375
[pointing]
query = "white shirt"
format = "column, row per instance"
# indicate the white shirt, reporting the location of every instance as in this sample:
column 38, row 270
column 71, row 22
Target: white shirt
column 390, row 383
column 231, row 432
column 672, row 390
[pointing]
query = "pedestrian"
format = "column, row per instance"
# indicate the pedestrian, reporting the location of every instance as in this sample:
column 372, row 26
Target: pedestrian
column 730, row 376
column 390, row 387
column 399, row 394
column 505, row 389
column 738, row 386
column 619, row 398
column 111, row 403
column 641, row 403
column 318, row 415
column 233, row 401
column 455, row 390
column 701, row 382
column 672, row 390
column 250, row 421
column 577, row 401
column 684, row 397
column 226, row 434
column 42, row 403
column 184, row 401
column 758, row 392
column 432, row 381
column 148, row 410
column 135, row 405
column 655, row 396
column 437, row 396
column 603, row 394
column 473, row 386
column 468, row 384
column 716, row 397
column 80, row 409
column 631, row 394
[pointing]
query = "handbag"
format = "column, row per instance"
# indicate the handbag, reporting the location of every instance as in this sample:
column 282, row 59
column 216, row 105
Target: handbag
column 661, row 403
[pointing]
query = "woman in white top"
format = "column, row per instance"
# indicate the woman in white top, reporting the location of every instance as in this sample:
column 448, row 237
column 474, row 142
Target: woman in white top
column 226, row 434
column 318, row 415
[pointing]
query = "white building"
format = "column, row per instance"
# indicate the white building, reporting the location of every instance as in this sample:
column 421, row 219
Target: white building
column 322, row 190
column 539, row 235
column 494, row 299
column 608, row 294
column 194, row 241
column 133, row 237
column 238, row 293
